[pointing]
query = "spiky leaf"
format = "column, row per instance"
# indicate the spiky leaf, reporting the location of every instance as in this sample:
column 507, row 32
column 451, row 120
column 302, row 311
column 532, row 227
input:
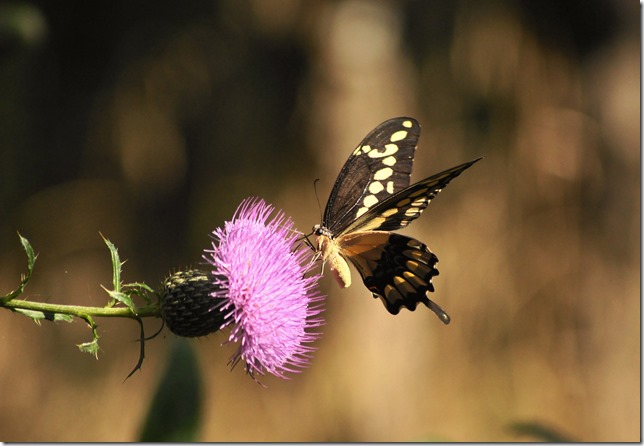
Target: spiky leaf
column 24, row 279
column 90, row 347
column 124, row 298
column 116, row 264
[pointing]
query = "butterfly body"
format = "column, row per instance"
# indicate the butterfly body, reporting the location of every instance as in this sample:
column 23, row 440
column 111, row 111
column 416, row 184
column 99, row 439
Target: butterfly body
column 331, row 254
column 370, row 199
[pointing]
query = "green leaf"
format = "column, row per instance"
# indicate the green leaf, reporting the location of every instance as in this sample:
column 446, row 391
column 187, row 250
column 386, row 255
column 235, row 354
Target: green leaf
column 116, row 264
column 175, row 411
column 139, row 289
column 121, row 297
column 24, row 279
column 31, row 256
column 139, row 285
column 123, row 293
column 90, row 347
column 36, row 316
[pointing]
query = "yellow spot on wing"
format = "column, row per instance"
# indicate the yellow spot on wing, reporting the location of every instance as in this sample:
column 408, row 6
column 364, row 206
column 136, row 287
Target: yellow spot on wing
column 373, row 224
column 392, row 294
column 369, row 201
column 383, row 174
column 399, row 135
column 390, row 149
column 389, row 212
column 412, row 265
column 420, row 269
column 403, row 285
column 418, row 255
column 407, row 124
column 413, row 279
column 412, row 212
column 389, row 161
column 376, row 187
column 362, row 149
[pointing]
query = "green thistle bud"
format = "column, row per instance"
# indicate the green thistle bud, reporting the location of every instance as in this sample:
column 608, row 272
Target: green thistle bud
column 187, row 305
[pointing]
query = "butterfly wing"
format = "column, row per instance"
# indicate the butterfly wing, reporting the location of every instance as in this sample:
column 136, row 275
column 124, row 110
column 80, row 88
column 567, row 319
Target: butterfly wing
column 379, row 167
column 371, row 197
column 395, row 268
column 398, row 210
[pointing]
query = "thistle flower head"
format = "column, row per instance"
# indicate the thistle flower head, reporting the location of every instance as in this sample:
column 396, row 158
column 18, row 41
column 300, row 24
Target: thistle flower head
column 260, row 277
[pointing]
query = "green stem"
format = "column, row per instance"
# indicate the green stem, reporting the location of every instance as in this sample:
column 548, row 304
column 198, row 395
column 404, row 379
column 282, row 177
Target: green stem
column 82, row 311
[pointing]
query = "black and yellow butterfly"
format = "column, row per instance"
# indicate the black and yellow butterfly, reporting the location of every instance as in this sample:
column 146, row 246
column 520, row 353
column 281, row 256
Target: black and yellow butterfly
column 372, row 197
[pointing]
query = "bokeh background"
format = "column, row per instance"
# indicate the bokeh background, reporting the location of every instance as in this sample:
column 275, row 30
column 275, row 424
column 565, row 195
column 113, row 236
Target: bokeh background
column 150, row 121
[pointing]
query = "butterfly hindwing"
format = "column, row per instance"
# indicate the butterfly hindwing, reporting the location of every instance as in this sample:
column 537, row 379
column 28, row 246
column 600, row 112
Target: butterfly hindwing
column 395, row 268
column 379, row 167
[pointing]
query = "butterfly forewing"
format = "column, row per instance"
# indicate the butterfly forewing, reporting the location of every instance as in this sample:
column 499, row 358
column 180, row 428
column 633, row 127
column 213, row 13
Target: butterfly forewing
column 398, row 210
column 379, row 167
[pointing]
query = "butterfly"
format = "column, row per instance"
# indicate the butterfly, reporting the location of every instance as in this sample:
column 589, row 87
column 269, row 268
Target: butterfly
column 371, row 198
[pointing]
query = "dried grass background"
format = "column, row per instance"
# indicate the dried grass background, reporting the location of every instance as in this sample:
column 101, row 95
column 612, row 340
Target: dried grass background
column 151, row 121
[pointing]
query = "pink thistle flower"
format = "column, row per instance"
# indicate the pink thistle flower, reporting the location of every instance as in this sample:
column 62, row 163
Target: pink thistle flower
column 260, row 275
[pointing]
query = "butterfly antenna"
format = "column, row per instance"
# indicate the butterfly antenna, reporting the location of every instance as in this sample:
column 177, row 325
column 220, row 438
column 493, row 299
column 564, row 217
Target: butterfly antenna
column 305, row 237
column 317, row 197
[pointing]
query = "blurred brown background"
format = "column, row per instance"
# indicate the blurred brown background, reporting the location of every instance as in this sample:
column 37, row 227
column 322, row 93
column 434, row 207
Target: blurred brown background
column 151, row 121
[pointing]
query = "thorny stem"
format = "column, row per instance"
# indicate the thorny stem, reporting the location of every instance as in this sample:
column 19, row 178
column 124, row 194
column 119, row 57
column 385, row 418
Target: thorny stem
column 83, row 311
column 121, row 294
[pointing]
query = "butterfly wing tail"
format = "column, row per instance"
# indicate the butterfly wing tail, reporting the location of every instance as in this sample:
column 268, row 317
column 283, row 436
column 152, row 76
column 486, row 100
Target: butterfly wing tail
column 442, row 315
